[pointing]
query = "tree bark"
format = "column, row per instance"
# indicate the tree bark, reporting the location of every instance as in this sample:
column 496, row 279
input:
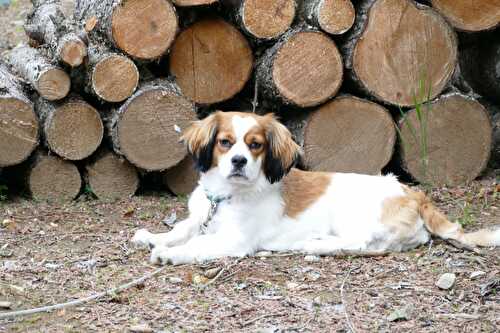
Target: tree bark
column 144, row 29
column 182, row 178
column 49, row 80
column 72, row 129
column 211, row 61
column 452, row 143
column 145, row 129
column 397, row 44
column 111, row 176
column 53, row 179
column 304, row 68
column 18, row 121
column 467, row 15
column 348, row 134
column 332, row 16
column 47, row 24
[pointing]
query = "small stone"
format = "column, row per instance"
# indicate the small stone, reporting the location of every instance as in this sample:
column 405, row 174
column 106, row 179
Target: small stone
column 400, row 314
column 446, row 281
column 476, row 274
column 7, row 222
column 143, row 328
column 292, row 285
column 263, row 254
column 5, row 305
column 174, row 279
column 311, row 258
column 212, row 272
column 241, row 286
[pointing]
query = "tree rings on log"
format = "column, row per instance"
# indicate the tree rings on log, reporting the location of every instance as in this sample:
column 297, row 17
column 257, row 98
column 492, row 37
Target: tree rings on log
column 73, row 129
column 182, row 178
column 189, row 3
column 469, row 15
column 54, row 179
column 401, row 45
column 112, row 177
column 349, row 134
column 211, row 61
column 18, row 122
column 304, row 68
column 144, row 29
column 72, row 50
column 146, row 129
column 332, row 16
column 457, row 145
column 266, row 19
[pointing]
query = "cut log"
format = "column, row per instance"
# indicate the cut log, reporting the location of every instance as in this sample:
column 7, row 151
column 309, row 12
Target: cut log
column 469, row 15
column 211, row 61
column 111, row 176
column 395, row 45
column 47, row 24
column 266, row 19
column 111, row 76
column 72, row 129
column 146, row 128
column 50, row 81
column 53, row 179
column 182, row 178
column 332, row 16
column 144, row 29
column 189, row 3
column 457, row 145
column 18, row 122
column 349, row 134
column 304, row 68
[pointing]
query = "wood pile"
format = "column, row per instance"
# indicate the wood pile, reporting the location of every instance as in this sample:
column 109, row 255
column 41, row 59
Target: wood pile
column 101, row 96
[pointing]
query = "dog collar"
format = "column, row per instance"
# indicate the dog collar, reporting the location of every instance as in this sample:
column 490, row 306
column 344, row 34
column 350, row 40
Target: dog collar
column 215, row 200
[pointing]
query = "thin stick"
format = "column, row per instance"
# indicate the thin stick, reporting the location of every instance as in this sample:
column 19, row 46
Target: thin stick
column 223, row 269
column 255, row 96
column 251, row 321
column 349, row 323
column 79, row 301
column 464, row 316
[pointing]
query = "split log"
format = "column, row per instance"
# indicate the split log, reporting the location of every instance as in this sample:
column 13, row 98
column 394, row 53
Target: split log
column 47, row 24
column 451, row 145
column 18, row 122
column 111, row 76
column 349, row 134
column 394, row 45
column 332, row 16
column 53, row 179
column 72, row 129
column 469, row 15
column 145, row 129
column 182, row 178
column 211, row 61
column 111, row 176
column 265, row 19
column 189, row 3
column 303, row 68
column 144, row 29
column 49, row 80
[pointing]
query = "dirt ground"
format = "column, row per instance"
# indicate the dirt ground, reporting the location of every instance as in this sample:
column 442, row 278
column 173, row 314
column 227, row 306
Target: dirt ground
column 52, row 253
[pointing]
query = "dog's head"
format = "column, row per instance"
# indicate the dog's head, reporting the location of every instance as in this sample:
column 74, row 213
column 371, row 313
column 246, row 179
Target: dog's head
column 241, row 147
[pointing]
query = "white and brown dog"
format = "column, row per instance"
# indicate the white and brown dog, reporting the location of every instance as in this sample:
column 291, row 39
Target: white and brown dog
column 249, row 198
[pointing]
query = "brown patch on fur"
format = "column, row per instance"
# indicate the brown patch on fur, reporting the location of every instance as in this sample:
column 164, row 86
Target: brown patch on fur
column 199, row 133
column 256, row 134
column 303, row 188
column 400, row 214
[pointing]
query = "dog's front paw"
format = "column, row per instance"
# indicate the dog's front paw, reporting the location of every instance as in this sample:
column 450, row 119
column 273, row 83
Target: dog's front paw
column 160, row 256
column 142, row 237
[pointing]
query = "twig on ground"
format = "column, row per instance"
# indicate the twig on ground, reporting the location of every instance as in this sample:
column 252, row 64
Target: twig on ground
column 219, row 274
column 357, row 253
column 464, row 316
column 255, row 101
column 109, row 292
column 346, row 312
column 251, row 321
column 430, row 247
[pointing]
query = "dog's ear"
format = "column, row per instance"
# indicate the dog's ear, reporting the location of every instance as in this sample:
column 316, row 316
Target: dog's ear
column 282, row 152
column 200, row 139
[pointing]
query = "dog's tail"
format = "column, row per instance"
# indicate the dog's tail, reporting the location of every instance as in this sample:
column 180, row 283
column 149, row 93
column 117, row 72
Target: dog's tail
column 438, row 224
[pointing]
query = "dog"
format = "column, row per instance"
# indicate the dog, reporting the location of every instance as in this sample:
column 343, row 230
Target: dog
column 250, row 198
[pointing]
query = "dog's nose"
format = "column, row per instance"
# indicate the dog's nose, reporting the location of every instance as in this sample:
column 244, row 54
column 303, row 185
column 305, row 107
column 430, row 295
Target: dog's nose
column 239, row 161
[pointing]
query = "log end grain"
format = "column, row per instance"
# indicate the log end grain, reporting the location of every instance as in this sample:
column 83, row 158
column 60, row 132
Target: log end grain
column 112, row 177
column 211, row 61
column 336, row 16
column 18, row 130
column 267, row 19
column 72, row 51
column 53, row 179
column 459, row 137
column 114, row 78
column 74, row 130
column 349, row 134
column 468, row 15
column 307, row 69
column 189, row 3
column 53, row 84
column 144, row 29
column 182, row 178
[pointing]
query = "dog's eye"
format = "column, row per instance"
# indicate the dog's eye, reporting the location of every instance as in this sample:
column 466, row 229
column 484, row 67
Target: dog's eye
column 225, row 143
column 255, row 145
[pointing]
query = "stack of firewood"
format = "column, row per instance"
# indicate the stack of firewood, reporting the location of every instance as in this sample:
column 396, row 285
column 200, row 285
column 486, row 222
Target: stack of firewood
column 100, row 96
